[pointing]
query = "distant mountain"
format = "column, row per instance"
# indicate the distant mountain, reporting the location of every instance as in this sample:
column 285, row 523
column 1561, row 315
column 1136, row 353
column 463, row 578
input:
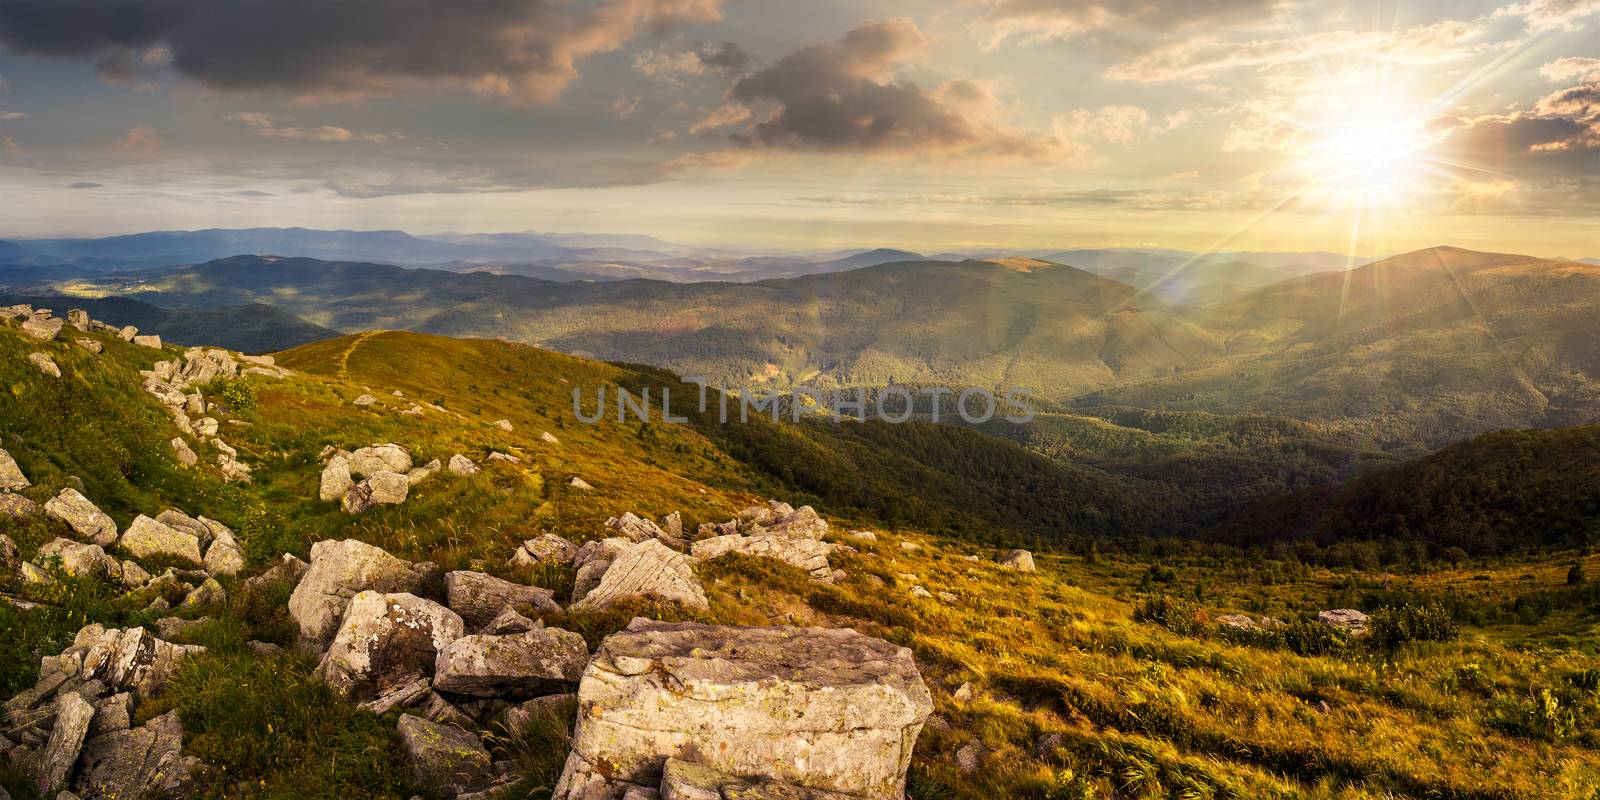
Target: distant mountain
column 250, row 328
column 166, row 248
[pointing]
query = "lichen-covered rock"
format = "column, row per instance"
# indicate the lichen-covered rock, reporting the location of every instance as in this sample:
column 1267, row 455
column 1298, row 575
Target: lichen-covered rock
column 478, row 598
column 380, row 458
column 11, row 477
column 136, row 763
column 461, row 465
column 339, row 570
column 544, row 547
column 44, row 328
column 132, row 659
column 682, row 780
column 15, row 506
column 1019, row 560
column 514, row 666
column 818, row 708
column 146, row 538
column 82, row 516
column 810, row 555
column 184, row 453
column 151, row 341
column 648, row 569
column 45, row 363
column 224, row 556
column 79, row 559
column 388, row 488
column 179, row 521
column 73, row 715
column 1347, row 619
column 444, row 758
column 419, row 474
column 387, row 641
column 336, row 481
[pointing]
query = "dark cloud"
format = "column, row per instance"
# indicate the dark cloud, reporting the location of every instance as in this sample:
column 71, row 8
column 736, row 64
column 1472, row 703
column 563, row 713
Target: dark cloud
column 520, row 50
column 839, row 96
column 85, row 185
column 725, row 57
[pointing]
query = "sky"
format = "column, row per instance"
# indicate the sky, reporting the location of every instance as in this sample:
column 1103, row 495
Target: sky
column 1287, row 125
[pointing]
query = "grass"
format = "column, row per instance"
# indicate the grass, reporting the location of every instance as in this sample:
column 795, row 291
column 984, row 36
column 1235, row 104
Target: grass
column 1073, row 697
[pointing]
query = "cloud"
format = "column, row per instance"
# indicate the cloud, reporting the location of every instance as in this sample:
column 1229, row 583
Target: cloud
column 10, row 147
column 842, row 97
column 625, row 107
column 253, row 193
column 1115, row 124
column 1584, row 69
column 325, row 133
column 1543, row 15
column 521, row 51
column 1199, row 58
column 1043, row 20
column 10, row 115
column 725, row 57
column 720, row 118
column 84, row 185
column 142, row 141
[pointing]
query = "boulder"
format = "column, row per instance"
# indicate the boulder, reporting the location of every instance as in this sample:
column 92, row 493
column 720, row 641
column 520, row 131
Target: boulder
column 128, row 660
column 549, row 438
column 115, row 713
column 11, row 477
column 183, row 452
column 152, row 341
column 79, row 559
column 42, row 328
column 478, row 598
column 223, row 555
column 424, row 472
column 386, row 641
column 637, row 529
column 336, row 480
column 447, row 760
column 10, row 557
column 579, row 483
column 683, row 780
column 146, row 538
column 365, row 400
column 82, row 516
column 183, row 523
column 461, row 465
column 544, row 547
column 1347, row 619
column 208, row 593
column 134, row 575
column 821, row 709
column 503, row 424
column 517, row 717
column 1019, row 560
column 810, row 555
column 512, row 666
column 204, row 365
column 55, row 762
column 380, row 458
column 339, row 570
column 146, row 761
column 509, row 621
column 78, row 318
column 388, row 488
column 288, row 569
column 798, row 522
column 127, row 332
column 45, row 363
column 648, row 569
column 16, row 506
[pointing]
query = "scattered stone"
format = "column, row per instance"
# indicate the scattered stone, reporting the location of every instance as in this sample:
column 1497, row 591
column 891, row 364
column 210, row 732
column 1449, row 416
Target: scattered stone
column 548, row 438
column 545, row 547
column 336, row 481
column 444, row 758
column 963, row 693
column 969, row 757
column 16, row 506
column 184, row 453
column 1019, row 560
column 11, row 477
column 682, row 780
column 516, row 718
column 45, row 363
column 865, row 536
column 10, row 556
column 509, row 621
column 42, row 328
column 918, row 591
column 78, row 318
column 264, row 649
column 461, row 465
column 127, row 333
column 499, row 456
column 910, row 547
column 380, row 458
column 386, row 641
column 946, row 597
column 128, row 660
column 208, row 593
column 73, row 715
column 365, row 400
column 175, row 627
column 810, row 555
column 82, row 516
column 819, row 708
column 648, row 569
column 513, row 666
column 183, row 523
column 134, row 575
column 79, row 559
column 1236, row 621
column 579, row 483
column 146, row 538
column 92, row 345
column 1347, row 619
column 338, row 571
column 503, row 424
column 153, row 342
column 400, row 696
column 115, row 713
column 133, row 764
column 388, row 488
column 424, row 472
column 479, row 598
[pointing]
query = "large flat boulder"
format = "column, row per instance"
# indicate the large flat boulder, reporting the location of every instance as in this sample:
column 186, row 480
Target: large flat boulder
column 515, row 666
column 73, row 715
column 147, row 538
column 380, row 458
column 808, row 554
column 79, row 559
column 386, row 641
column 818, row 708
column 146, row 761
column 683, row 780
column 339, row 570
column 479, row 598
column 336, row 481
column 130, row 659
column 647, row 569
column 82, row 516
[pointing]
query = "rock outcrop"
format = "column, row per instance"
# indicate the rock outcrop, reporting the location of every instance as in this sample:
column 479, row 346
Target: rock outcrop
column 147, row 538
column 82, row 516
column 386, row 641
column 513, row 666
column 479, row 598
column 1019, row 560
column 11, row 477
column 447, row 760
column 340, row 570
column 646, row 569
column 544, row 547
column 820, row 709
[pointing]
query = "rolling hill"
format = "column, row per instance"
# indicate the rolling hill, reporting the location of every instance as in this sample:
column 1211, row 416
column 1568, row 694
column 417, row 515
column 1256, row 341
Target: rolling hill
column 248, row 328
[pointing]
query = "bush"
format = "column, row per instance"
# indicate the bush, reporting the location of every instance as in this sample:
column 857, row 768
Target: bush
column 1308, row 637
column 1174, row 614
column 1391, row 626
column 1576, row 576
column 238, row 395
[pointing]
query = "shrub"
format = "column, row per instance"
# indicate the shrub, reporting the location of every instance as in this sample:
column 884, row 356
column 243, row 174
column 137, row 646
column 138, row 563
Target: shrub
column 1307, row 637
column 1392, row 626
column 1576, row 576
column 238, row 395
column 1174, row 614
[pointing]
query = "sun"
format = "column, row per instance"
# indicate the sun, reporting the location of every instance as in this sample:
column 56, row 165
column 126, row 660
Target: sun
column 1368, row 154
